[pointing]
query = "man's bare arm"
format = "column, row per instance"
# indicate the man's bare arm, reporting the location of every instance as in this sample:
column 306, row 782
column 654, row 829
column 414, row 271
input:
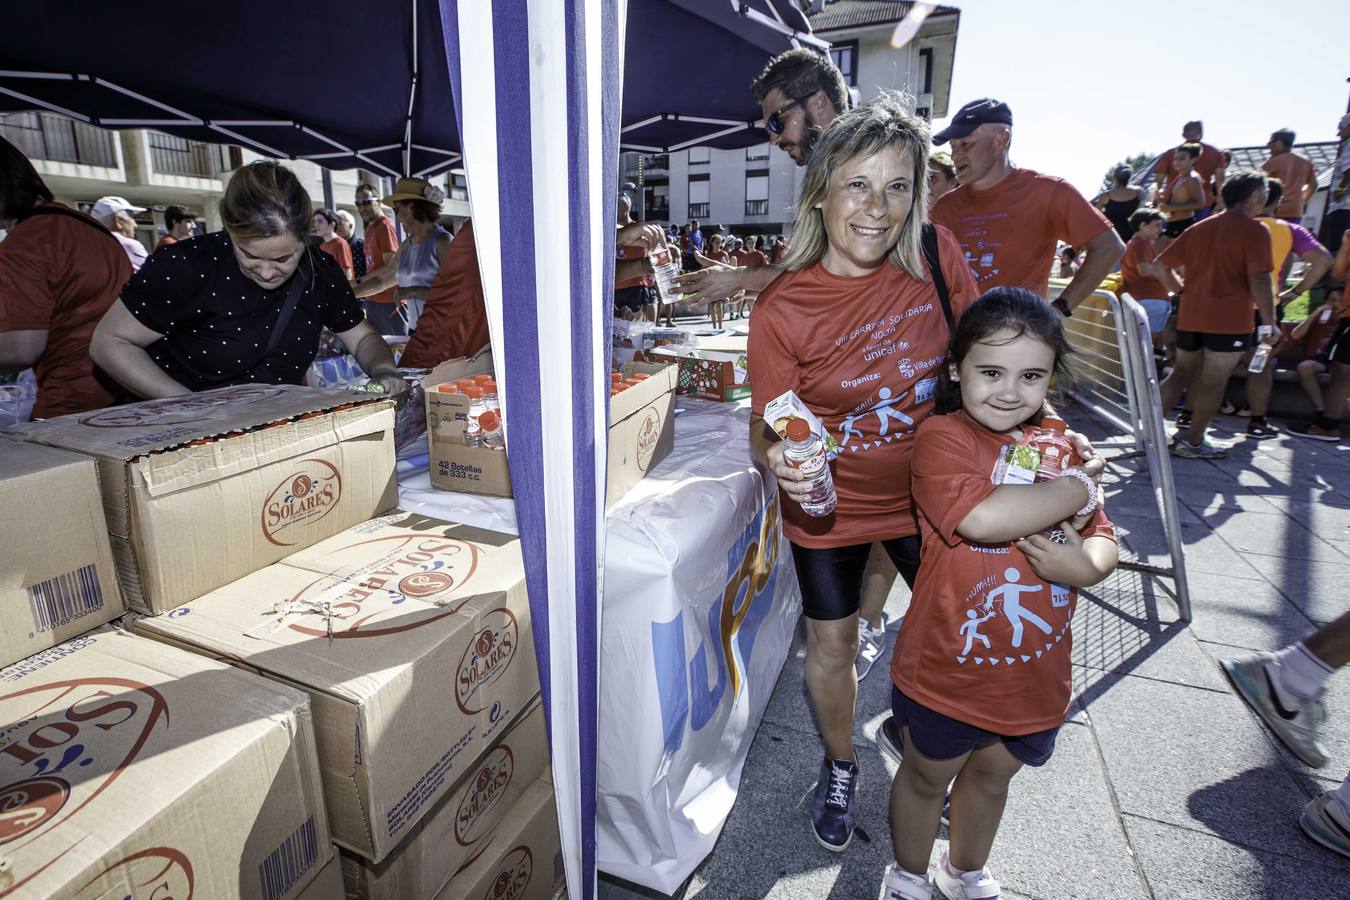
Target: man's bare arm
column 720, row 282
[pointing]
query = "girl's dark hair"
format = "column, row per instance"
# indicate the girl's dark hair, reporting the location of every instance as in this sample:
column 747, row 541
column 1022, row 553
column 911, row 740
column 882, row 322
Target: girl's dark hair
column 1013, row 309
column 329, row 216
column 21, row 187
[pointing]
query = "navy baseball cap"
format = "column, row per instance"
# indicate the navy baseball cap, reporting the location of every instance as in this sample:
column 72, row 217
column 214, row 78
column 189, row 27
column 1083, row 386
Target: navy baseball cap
column 985, row 111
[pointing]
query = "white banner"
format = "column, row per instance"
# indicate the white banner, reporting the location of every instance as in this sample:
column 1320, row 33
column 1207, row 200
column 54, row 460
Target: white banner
column 701, row 602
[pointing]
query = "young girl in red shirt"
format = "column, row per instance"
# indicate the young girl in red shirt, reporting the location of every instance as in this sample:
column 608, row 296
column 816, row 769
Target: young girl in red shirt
column 981, row 669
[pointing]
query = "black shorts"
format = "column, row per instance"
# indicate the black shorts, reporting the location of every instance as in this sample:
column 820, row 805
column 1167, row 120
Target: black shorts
column 941, row 737
column 1193, row 341
column 1174, row 229
column 831, row 579
column 1338, row 348
column 635, row 297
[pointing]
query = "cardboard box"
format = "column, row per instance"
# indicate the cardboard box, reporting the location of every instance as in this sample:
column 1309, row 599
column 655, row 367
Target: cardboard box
column 327, row 885
column 126, row 764
column 202, row 489
column 524, row 859
column 430, row 659
column 462, row 824
column 56, row 570
column 641, row 432
column 717, row 375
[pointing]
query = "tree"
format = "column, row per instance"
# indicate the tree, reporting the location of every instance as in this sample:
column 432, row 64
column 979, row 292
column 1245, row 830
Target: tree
column 1137, row 162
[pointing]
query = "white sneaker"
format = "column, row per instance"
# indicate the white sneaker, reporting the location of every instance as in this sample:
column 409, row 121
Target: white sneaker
column 1296, row 722
column 965, row 886
column 871, row 644
column 901, row 885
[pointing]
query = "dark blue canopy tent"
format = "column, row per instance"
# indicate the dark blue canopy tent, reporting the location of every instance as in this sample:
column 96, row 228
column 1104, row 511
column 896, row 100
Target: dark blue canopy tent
column 524, row 95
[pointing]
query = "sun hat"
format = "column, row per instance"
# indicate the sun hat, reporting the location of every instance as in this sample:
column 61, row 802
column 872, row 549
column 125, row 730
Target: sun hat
column 415, row 189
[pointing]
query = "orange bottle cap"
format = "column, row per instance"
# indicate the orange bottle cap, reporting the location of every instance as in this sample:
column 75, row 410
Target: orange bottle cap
column 798, row 429
column 473, row 393
column 489, row 421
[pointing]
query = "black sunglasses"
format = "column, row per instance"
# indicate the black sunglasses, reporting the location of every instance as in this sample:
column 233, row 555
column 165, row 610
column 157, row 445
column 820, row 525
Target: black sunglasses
column 774, row 123
column 364, row 202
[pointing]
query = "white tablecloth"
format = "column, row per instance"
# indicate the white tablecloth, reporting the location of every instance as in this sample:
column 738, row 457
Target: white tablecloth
column 697, row 621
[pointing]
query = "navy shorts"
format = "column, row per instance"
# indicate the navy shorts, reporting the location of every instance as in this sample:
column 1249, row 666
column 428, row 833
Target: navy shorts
column 940, row 737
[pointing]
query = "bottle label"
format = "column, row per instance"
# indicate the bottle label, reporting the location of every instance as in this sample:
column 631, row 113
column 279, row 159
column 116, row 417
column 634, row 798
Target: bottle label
column 812, row 467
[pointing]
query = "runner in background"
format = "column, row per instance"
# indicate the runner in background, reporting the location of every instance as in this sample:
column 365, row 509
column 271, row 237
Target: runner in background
column 1295, row 172
column 1184, row 196
column 325, row 229
column 179, row 225
column 381, row 252
column 1336, row 220
column 1211, row 165
column 1327, row 426
column 1149, row 283
column 941, row 176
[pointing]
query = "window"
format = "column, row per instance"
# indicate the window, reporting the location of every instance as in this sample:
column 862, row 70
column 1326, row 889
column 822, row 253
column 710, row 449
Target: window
column 756, row 153
column 459, row 186
column 699, row 156
column 924, row 113
column 700, row 196
column 844, row 57
column 926, row 70
column 757, row 193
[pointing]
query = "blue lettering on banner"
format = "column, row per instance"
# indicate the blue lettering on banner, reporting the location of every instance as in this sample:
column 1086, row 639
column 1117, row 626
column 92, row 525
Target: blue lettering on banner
column 734, row 618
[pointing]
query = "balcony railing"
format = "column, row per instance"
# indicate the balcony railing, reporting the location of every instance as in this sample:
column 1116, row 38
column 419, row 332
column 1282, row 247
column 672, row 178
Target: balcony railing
column 47, row 136
column 698, row 210
column 757, row 207
column 657, row 211
column 172, row 155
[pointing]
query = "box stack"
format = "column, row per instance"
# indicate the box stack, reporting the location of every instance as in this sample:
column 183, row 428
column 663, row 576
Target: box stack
column 312, row 666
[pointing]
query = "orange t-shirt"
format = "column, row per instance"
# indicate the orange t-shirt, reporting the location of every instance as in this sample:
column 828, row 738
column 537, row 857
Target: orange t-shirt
column 341, row 251
column 986, row 641
column 1009, row 232
column 738, row 257
column 1141, row 287
column 379, row 240
column 1218, row 254
column 863, row 355
column 454, row 321
column 60, row 276
column 755, row 258
column 166, row 241
column 1209, row 162
column 1294, row 171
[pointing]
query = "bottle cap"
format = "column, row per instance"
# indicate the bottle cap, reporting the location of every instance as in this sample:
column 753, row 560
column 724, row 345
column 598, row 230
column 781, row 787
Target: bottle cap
column 639, row 376
column 464, row 383
column 798, row 429
column 489, row 421
column 489, row 386
column 615, row 377
column 480, row 379
column 474, row 393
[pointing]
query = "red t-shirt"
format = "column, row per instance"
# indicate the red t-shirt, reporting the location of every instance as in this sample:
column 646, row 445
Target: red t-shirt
column 755, row 258
column 379, row 240
column 1207, row 163
column 1294, row 171
column 454, row 321
column 779, row 251
column 1218, row 254
column 738, row 257
column 863, row 355
column 60, row 275
column 986, row 641
column 166, row 241
column 1141, row 287
column 342, row 252
column 1009, row 232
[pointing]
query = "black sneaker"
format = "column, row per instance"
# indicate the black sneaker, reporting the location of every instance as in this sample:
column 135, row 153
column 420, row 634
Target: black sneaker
column 1259, row 428
column 832, row 805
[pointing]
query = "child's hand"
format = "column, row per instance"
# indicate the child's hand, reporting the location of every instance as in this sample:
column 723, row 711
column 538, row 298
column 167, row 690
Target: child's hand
column 1065, row 563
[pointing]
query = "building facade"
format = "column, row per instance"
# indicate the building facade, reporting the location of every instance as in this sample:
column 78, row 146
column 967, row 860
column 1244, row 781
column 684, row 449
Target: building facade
column 754, row 191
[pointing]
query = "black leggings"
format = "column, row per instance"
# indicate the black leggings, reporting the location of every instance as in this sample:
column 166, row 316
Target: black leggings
column 831, row 579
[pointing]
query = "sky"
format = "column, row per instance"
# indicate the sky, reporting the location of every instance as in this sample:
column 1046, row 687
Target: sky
column 1094, row 81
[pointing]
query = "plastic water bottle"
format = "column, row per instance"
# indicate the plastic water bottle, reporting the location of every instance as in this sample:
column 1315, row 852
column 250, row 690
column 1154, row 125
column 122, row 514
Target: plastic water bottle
column 1056, row 456
column 806, row 453
column 490, row 397
column 473, row 428
column 1260, row 358
column 666, row 270
column 491, row 425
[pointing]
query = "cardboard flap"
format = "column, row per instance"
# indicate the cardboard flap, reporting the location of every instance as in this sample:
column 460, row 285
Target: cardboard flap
column 661, row 379
column 164, row 473
column 124, row 432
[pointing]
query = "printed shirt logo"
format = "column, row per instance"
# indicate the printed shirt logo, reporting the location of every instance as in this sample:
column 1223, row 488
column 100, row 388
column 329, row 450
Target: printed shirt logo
column 96, row 727
column 513, row 877
column 649, row 435
column 486, row 659
column 1022, row 634
column 473, row 819
column 301, row 500
column 177, row 410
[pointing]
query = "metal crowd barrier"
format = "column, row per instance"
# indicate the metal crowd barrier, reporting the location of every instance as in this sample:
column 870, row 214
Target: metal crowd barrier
column 1117, row 383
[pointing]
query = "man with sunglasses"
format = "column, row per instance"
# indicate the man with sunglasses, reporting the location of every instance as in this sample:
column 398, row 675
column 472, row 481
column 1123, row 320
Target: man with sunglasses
column 381, row 252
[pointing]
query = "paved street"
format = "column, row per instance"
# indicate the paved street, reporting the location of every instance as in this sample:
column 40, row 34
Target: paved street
column 1164, row 784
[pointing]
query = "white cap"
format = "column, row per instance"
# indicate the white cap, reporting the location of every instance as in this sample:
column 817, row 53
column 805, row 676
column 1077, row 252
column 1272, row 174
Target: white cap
column 111, row 206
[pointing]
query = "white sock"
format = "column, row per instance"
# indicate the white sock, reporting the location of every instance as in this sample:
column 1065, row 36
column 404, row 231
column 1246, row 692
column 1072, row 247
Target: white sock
column 1341, row 798
column 1300, row 672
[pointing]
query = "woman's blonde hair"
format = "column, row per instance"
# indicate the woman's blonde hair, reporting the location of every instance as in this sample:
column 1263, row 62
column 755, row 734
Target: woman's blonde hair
column 875, row 126
column 265, row 199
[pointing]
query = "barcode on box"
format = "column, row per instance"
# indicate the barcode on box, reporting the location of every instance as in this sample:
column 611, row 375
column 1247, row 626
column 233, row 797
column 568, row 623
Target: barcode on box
column 284, row 865
column 65, row 598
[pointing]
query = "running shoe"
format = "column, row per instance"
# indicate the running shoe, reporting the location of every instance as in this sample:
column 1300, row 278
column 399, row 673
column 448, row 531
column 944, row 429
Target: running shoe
column 901, row 885
column 871, row 645
column 1314, row 431
column 832, row 805
column 1259, row 428
column 1321, row 821
column 966, row 885
column 891, row 744
column 1295, row 722
column 1186, row 450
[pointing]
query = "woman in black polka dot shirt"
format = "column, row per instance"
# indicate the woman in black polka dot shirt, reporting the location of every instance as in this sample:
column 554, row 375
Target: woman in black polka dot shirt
column 201, row 313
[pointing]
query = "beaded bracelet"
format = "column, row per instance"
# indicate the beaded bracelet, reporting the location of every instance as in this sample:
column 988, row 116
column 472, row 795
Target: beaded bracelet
column 1088, row 483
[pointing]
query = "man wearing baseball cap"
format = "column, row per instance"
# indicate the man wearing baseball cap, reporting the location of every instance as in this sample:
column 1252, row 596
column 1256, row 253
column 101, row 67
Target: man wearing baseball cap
column 114, row 213
column 1009, row 220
